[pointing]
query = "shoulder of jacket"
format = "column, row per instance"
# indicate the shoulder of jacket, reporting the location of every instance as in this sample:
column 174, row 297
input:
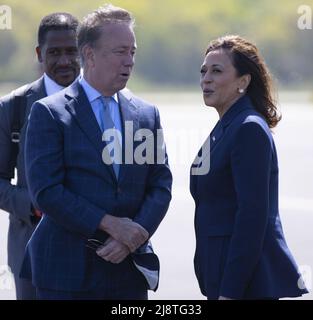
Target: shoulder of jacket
column 135, row 100
column 21, row 91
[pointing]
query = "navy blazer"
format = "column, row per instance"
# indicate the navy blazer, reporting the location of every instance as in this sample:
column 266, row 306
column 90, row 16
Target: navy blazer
column 71, row 184
column 241, row 251
column 15, row 199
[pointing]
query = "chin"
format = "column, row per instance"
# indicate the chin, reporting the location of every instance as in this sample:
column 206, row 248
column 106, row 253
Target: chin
column 208, row 102
column 121, row 87
column 65, row 82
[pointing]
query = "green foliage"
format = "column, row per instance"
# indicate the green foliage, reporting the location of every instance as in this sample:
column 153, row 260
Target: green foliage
column 172, row 36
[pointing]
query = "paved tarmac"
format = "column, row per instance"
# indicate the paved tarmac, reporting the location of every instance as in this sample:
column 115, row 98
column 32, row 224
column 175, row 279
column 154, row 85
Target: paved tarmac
column 186, row 123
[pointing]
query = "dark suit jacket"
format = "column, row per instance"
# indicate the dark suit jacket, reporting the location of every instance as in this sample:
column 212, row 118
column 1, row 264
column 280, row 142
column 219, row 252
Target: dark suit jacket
column 71, row 184
column 241, row 251
column 15, row 199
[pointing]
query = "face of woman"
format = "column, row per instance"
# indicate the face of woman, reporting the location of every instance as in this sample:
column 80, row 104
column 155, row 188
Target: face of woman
column 219, row 81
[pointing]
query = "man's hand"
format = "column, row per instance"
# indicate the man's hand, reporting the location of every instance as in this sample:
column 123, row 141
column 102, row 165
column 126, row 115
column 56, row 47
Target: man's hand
column 113, row 251
column 124, row 230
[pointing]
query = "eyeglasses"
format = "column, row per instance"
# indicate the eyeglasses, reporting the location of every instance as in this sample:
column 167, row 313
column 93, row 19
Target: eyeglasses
column 94, row 244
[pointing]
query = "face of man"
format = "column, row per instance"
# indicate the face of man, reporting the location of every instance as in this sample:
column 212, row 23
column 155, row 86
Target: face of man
column 109, row 63
column 59, row 56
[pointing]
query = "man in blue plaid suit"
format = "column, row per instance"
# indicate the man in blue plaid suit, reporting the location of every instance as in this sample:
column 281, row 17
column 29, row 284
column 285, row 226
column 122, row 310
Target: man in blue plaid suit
column 85, row 200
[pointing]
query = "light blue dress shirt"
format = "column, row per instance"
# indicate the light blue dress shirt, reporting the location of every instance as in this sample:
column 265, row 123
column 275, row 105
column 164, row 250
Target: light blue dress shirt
column 50, row 85
column 93, row 96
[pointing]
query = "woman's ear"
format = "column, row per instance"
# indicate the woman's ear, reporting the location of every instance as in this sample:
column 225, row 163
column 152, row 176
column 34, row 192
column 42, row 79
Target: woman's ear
column 245, row 81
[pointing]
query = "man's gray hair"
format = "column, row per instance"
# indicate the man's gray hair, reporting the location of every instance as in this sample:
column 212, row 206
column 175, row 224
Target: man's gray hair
column 90, row 29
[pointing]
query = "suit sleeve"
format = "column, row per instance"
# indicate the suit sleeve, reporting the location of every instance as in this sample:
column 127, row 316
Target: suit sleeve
column 159, row 184
column 45, row 173
column 13, row 199
column 251, row 164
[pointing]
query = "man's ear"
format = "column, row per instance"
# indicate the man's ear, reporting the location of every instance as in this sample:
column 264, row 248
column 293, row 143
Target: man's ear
column 89, row 56
column 39, row 56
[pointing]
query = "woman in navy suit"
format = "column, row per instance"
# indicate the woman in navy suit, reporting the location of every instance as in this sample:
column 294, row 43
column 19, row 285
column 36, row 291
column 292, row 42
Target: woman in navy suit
column 241, row 252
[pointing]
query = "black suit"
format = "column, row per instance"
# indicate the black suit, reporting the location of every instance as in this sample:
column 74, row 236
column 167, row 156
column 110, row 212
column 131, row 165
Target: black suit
column 15, row 199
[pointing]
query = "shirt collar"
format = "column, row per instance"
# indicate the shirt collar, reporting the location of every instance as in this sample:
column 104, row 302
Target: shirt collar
column 50, row 85
column 91, row 92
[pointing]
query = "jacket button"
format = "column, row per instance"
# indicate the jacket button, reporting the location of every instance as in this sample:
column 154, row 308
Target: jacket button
column 118, row 190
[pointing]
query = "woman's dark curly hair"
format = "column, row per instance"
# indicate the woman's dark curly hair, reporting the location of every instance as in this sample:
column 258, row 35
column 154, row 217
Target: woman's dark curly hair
column 246, row 59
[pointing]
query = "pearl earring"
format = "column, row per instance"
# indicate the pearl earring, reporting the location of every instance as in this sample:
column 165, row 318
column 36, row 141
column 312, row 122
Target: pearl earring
column 241, row 90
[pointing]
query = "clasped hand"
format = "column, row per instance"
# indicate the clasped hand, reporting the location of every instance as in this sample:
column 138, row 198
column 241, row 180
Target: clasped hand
column 126, row 236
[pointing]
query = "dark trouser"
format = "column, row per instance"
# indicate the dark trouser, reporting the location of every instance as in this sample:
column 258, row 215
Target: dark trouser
column 104, row 281
column 98, row 294
column 24, row 289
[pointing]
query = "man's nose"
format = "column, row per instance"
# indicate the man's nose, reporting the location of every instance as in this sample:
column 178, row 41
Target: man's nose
column 64, row 60
column 129, row 60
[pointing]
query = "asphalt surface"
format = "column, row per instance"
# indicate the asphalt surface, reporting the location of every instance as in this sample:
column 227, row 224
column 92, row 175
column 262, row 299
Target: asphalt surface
column 186, row 123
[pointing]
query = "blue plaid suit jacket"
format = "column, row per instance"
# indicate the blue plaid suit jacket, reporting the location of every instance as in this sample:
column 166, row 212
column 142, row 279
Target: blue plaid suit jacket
column 70, row 183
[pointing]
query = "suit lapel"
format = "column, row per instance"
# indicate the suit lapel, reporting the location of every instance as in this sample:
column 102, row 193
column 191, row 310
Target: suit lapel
column 129, row 113
column 81, row 110
column 209, row 145
column 221, row 127
column 215, row 136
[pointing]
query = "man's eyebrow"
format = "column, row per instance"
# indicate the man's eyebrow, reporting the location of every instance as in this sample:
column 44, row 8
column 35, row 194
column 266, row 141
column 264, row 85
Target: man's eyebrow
column 125, row 47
